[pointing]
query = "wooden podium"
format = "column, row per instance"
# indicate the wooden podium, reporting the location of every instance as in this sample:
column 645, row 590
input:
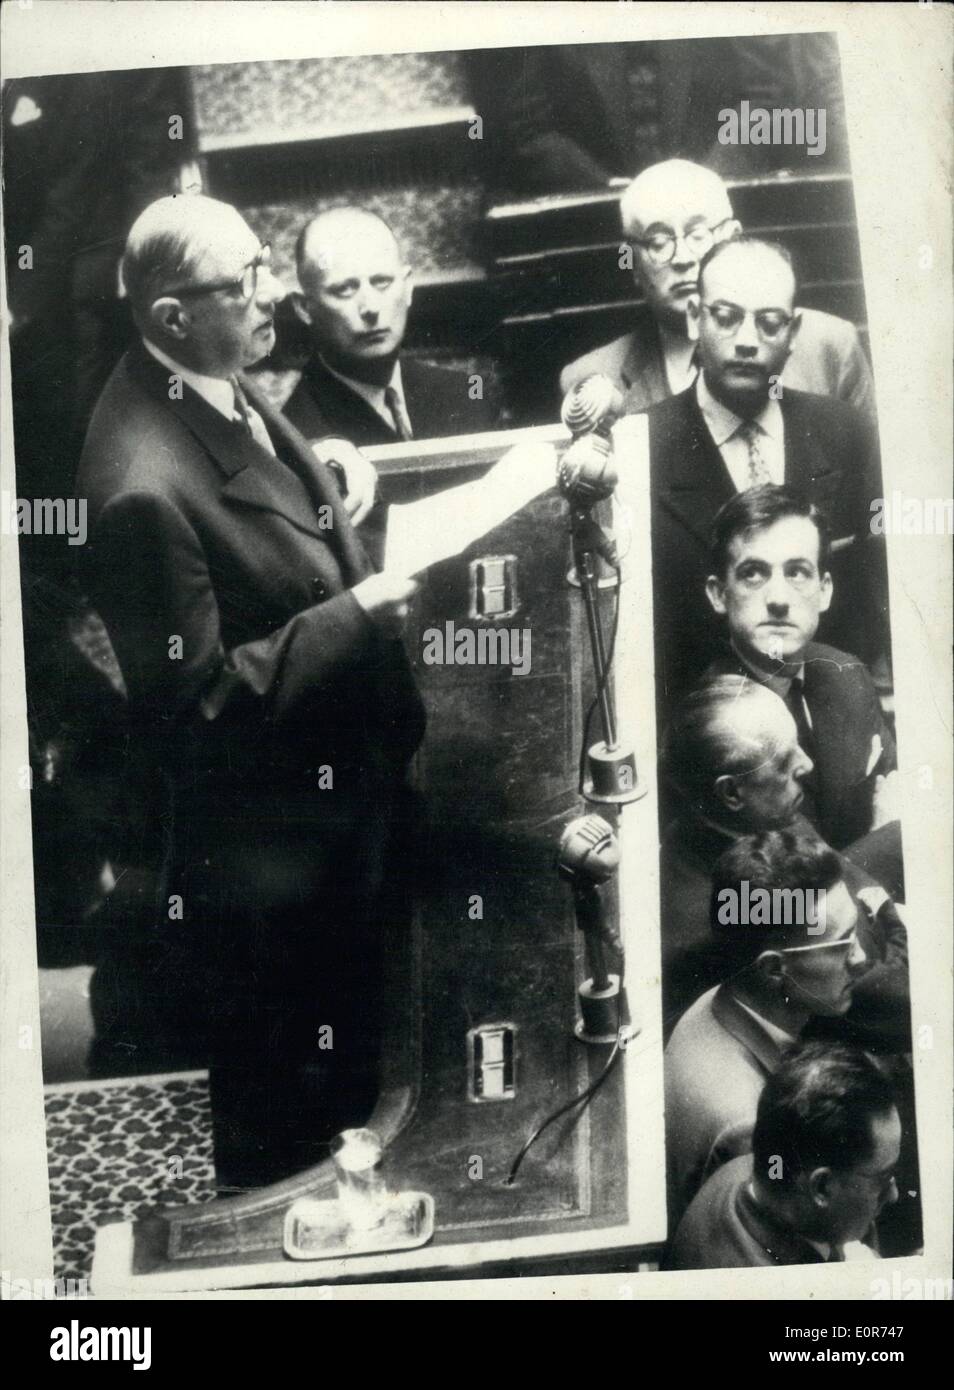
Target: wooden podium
column 491, row 966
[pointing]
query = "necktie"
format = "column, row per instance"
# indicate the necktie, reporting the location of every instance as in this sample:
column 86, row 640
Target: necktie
column 250, row 420
column 795, row 699
column 395, row 404
column 758, row 468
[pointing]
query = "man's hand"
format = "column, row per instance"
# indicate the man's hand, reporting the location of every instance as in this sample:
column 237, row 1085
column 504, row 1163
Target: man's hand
column 385, row 598
column 360, row 476
column 884, row 802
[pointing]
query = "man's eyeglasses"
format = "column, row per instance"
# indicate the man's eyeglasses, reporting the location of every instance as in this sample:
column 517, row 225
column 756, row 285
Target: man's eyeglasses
column 850, row 941
column 661, row 246
column 243, row 285
column 728, row 319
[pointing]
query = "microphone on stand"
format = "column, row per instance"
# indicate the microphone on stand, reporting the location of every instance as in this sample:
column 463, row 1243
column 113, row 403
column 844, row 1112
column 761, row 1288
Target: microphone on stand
column 589, row 856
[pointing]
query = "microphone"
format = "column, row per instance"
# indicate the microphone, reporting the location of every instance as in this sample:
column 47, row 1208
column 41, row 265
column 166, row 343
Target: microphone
column 587, row 473
column 588, row 856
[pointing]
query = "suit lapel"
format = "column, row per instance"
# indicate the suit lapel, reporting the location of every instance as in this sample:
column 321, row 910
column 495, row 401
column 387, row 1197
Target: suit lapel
column 745, row 1029
column 643, row 373
column 343, row 409
column 695, row 481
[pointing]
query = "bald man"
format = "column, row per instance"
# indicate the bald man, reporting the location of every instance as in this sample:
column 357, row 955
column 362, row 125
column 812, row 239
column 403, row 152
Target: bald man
column 671, row 215
column 267, row 684
column 356, row 291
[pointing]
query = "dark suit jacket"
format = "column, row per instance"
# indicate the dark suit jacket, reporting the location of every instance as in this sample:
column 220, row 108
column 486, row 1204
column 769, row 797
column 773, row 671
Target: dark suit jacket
column 829, row 455
column 248, row 662
column 437, row 400
column 846, row 715
column 724, row 1229
column 691, row 961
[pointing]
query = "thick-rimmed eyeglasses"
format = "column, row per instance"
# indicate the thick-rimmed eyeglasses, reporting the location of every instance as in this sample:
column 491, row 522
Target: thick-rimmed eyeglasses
column 244, row 285
column 661, row 246
column 728, row 318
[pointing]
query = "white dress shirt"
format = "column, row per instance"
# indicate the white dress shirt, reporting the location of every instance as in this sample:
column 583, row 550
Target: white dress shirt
column 679, row 359
column 723, row 425
column 374, row 395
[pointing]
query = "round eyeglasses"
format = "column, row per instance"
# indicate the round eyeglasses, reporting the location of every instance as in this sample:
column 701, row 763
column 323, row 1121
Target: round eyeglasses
column 660, row 247
column 728, row 318
column 244, row 285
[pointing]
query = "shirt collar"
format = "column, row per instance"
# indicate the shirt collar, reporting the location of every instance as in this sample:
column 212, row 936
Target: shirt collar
column 778, row 1035
column 374, row 395
column 216, row 390
column 723, row 422
column 780, row 681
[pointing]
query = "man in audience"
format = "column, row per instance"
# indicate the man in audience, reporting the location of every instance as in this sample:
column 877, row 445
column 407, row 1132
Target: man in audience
column 672, row 214
column 733, row 429
column 780, row 968
column 731, row 757
column 356, row 290
column 771, row 583
column 825, row 1145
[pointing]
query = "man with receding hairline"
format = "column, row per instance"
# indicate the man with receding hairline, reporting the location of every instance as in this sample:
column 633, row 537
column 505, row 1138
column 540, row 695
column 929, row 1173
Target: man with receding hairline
column 672, row 214
column 356, row 291
column 266, row 682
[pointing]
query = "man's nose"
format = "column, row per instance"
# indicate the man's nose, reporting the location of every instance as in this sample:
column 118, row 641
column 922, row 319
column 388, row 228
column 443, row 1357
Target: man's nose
column 805, row 765
column 893, row 1194
column 857, row 960
column 268, row 288
column 683, row 257
column 747, row 338
column 777, row 597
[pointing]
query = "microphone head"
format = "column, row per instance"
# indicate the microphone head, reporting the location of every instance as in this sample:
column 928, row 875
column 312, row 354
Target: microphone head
column 587, row 472
column 589, row 850
column 592, row 404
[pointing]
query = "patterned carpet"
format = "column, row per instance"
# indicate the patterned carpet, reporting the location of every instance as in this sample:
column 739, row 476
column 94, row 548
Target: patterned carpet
column 118, row 1149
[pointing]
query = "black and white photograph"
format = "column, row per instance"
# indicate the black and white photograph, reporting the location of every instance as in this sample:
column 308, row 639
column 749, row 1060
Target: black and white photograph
column 477, row 756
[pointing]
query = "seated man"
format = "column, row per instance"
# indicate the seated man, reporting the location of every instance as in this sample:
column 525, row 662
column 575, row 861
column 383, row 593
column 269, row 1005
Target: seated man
column 355, row 295
column 771, row 583
column 826, row 1141
column 734, row 429
column 672, row 214
column 732, row 758
column 781, row 967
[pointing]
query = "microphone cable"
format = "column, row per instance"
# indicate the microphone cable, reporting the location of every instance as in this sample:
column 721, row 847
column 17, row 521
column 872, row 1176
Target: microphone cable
column 601, row 684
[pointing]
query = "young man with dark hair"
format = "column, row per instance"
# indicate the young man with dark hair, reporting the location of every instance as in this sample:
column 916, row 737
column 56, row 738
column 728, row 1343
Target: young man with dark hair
column 825, row 1145
column 770, row 580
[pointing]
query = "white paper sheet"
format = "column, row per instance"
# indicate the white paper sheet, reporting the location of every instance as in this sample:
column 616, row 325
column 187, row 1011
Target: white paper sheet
column 422, row 533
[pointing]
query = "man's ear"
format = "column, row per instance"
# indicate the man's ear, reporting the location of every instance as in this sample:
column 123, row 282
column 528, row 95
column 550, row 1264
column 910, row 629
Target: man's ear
column 827, row 593
column 170, row 317
column 726, row 788
column 715, row 592
column 793, row 328
column 771, row 967
column 408, row 285
column 732, row 229
column 818, row 1186
column 300, row 307
column 693, row 314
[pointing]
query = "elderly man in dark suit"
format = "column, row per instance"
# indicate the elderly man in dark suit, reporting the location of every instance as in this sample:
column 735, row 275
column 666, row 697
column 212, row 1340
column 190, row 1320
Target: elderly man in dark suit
column 736, row 428
column 261, row 658
column 672, row 214
column 825, row 1146
column 771, row 583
